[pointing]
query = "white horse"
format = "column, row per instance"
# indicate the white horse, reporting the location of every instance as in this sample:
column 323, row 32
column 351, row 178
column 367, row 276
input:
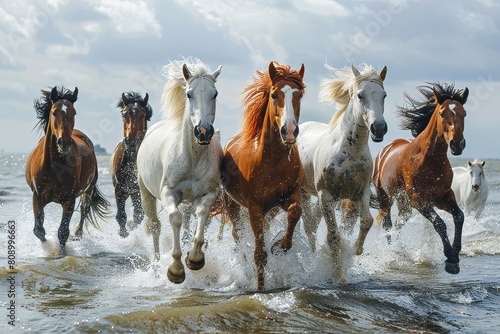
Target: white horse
column 470, row 187
column 337, row 161
column 179, row 159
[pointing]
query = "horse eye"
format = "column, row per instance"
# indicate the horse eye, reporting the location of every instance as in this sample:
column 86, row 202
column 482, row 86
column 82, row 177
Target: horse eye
column 360, row 97
column 273, row 96
column 385, row 95
column 188, row 95
column 216, row 94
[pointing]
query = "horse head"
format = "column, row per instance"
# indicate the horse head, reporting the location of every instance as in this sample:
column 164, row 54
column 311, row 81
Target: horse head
column 477, row 175
column 284, row 105
column 136, row 112
column 369, row 97
column 62, row 118
column 201, row 96
column 452, row 114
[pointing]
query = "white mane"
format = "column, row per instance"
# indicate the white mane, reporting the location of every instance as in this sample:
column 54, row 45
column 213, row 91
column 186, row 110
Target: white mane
column 174, row 93
column 343, row 85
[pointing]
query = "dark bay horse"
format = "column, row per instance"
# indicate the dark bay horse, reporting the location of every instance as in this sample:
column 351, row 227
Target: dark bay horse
column 136, row 112
column 261, row 166
column 63, row 166
column 417, row 173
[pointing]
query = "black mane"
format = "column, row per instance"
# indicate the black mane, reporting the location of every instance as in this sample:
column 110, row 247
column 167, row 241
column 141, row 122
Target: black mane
column 418, row 114
column 44, row 104
column 136, row 97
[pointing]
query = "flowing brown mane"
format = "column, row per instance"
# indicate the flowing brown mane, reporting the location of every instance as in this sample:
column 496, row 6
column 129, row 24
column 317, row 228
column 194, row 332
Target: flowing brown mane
column 257, row 97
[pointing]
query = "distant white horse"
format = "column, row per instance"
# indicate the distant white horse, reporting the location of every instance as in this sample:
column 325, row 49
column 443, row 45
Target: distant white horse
column 179, row 159
column 470, row 187
column 336, row 158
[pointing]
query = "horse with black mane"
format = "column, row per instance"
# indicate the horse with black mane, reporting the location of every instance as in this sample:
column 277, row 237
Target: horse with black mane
column 63, row 166
column 136, row 112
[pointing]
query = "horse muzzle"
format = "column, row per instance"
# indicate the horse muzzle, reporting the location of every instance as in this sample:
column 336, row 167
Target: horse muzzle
column 203, row 135
column 457, row 148
column 289, row 137
column 378, row 132
column 475, row 187
column 63, row 146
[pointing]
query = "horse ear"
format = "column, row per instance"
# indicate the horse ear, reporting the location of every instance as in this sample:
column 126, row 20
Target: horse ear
column 272, row 71
column 302, row 70
column 217, row 72
column 437, row 96
column 470, row 164
column 125, row 100
column 53, row 95
column 354, row 70
column 383, row 73
column 482, row 163
column 146, row 98
column 75, row 95
column 465, row 95
column 185, row 72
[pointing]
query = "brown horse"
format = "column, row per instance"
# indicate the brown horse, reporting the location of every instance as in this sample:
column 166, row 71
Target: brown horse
column 418, row 173
column 63, row 166
column 261, row 166
column 136, row 112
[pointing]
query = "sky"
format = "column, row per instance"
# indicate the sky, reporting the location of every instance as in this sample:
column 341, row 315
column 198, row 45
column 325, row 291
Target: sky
column 109, row 47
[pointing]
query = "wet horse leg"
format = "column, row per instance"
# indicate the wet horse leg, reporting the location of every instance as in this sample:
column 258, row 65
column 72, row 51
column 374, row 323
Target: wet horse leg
column 135, row 196
column 385, row 204
column 294, row 210
column 38, row 212
column 452, row 260
column 256, row 215
column 170, row 202
column 63, row 231
column 153, row 224
column 310, row 226
column 366, row 222
column 195, row 259
column 121, row 215
column 333, row 236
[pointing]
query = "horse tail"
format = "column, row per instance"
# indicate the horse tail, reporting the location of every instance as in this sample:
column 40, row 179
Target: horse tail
column 221, row 207
column 374, row 203
column 97, row 206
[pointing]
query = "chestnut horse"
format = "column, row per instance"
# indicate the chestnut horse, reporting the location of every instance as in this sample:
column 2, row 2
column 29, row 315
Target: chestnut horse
column 63, row 166
column 418, row 173
column 136, row 112
column 261, row 168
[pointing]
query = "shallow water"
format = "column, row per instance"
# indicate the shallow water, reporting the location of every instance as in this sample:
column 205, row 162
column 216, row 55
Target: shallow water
column 108, row 284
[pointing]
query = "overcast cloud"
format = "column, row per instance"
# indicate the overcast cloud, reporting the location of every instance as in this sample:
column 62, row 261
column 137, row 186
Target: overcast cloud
column 111, row 46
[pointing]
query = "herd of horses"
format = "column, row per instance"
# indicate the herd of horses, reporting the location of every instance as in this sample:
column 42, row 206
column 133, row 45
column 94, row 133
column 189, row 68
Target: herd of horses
column 270, row 164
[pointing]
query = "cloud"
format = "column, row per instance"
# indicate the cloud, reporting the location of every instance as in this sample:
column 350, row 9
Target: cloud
column 130, row 17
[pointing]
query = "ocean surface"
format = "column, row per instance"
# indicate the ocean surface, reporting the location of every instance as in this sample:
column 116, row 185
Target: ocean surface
column 107, row 284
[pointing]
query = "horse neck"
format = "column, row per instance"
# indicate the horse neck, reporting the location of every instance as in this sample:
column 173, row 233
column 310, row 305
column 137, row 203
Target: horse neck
column 432, row 140
column 352, row 129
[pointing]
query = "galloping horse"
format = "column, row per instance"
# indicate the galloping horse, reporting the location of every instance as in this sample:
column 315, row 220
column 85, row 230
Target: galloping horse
column 136, row 112
column 470, row 187
column 417, row 173
column 261, row 167
column 336, row 158
column 180, row 158
column 63, row 166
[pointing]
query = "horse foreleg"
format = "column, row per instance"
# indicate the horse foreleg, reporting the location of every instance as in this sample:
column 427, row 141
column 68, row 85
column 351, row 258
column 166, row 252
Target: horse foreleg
column 195, row 258
column 310, row 226
column 121, row 215
column 256, row 215
column 135, row 196
column 293, row 207
column 187, row 211
column 333, row 237
column 153, row 224
column 365, row 223
column 38, row 212
column 170, row 202
column 63, row 232
column 452, row 262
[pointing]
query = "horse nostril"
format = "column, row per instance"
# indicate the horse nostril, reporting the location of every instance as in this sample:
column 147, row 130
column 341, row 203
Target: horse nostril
column 462, row 144
column 296, row 131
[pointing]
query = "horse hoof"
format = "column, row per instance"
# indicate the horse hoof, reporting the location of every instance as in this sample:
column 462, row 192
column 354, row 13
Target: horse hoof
column 277, row 250
column 452, row 268
column 176, row 278
column 123, row 233
column 195, row 265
